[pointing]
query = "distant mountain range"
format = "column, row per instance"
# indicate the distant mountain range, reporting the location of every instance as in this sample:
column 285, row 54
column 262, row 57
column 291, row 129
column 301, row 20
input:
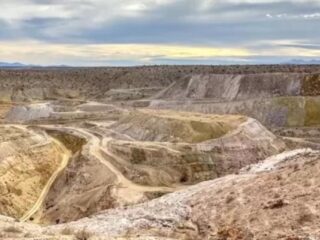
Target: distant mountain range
column 12, row 65
column 304, row 62
column 293, row 61
column 21, row 65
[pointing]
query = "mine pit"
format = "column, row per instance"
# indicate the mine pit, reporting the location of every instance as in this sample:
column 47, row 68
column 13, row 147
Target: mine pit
column 189, row 153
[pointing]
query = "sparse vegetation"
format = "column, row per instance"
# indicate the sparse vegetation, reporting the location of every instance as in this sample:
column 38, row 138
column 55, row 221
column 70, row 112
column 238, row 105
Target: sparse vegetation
column 83, row 235
column 113, row 139
column 67, row 231
column 12, row 229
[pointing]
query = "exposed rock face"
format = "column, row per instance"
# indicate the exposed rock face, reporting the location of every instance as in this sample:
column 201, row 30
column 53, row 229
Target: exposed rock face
column 277, row 100
column 276, row 199
column 29, row 112
column 59, row 112
column 192, row 147
column 143, row 155
column 223, row 87
column 23, row 172
column 11, row 229
column 277, row 202
column 145, row 166
column 274, row 112
column 37, row 84
column 152, row 153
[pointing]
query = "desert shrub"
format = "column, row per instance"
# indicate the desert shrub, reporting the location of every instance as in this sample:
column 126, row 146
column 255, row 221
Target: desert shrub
column 67, row 231
column 12, row 229
column 83, row 235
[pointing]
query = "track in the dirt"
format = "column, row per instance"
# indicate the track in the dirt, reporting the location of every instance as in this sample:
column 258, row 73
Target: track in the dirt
column 97, row 146
column 66, row 154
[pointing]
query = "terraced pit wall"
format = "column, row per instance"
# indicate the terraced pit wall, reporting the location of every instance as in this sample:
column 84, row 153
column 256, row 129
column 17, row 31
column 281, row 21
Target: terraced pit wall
column 276, row 100
column 46, row 83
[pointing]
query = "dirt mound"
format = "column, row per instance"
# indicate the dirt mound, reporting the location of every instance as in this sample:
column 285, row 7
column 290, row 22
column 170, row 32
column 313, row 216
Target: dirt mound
column 162, row 126
column 165, row 147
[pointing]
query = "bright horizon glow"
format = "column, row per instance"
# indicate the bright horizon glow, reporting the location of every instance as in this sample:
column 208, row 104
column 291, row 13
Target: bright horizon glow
column 47, row 54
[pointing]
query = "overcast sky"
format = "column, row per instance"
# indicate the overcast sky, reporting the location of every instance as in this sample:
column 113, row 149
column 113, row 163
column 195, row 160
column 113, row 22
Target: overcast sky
column 133, row 32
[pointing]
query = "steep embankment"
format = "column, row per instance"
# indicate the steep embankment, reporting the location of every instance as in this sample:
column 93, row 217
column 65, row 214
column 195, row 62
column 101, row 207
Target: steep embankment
column 220, row 88
column 74, row 83
column 273, row 200
column 122, row 159
column 277, row 100
column 65, row 156
column 94, row 184
column 167, row 147
column 145, row 155
column 25, row 176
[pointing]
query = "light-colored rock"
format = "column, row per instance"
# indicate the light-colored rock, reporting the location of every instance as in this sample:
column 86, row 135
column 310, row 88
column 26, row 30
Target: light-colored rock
column 29, row 112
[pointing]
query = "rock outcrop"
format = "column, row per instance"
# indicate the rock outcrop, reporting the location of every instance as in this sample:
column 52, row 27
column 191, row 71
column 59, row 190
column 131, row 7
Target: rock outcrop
column 278, row 201
column 29, row 163
column 277, row 100
column 163, row 152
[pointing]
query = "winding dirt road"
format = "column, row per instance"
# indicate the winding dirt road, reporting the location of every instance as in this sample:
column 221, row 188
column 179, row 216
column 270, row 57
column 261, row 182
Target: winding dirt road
column 66, row 154
column 96, row 146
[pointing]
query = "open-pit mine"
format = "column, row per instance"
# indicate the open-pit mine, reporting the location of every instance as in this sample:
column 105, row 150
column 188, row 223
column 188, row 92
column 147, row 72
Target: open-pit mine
column 160, row 153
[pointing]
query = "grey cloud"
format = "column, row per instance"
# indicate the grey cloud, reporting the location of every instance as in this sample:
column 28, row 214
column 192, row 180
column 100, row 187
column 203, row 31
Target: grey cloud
column 179, row 21
column 303, row 46
column 223, row 23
